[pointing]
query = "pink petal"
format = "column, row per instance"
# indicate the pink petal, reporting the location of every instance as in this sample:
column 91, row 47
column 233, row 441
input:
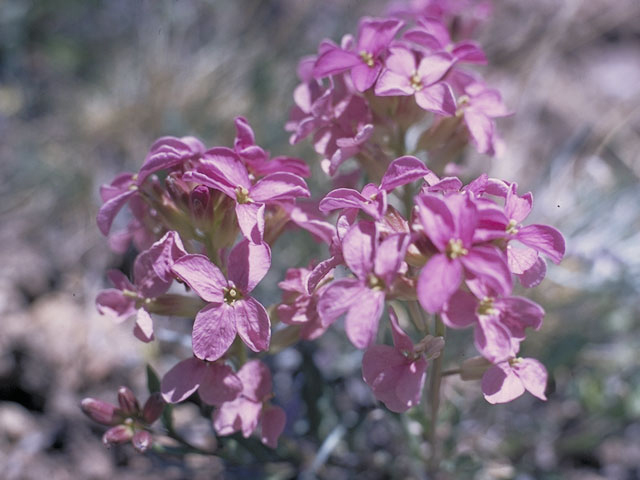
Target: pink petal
column 410, row 384
column 401, row 340
column 143, row 329
column 403, row 170
column 165, row 153
column 465, row 217
column 342, row 198
column 256, row 380
column 492, row 339
column 223, row 165
column 358, row 248
column 182, row 380
column 119, row 280
column 248, row 264
column 469, row 52
column 320, row 272
column 364, row 76
column 534, row 275
column 436, row 28
column 239, row 415
column 110, row 209
column 437, row 98
column 338, row 298
column 515, row 207
column 114, row 304
column 391, row 83
column 481, row 130
column 437, row 220
column 439, row 280
column 432, row 68
column 244, row 134
column 376, row 360
column 489, row 265
column 273, row 422
column 519, row 313
column 389, row 256
column 208, row 179
column 253, row 324
column 279, row 186
column 219, row 384
column 251, row 220
column 202, row 276
column 533, row 376
column 375, row 34
column 334, row 60
column 521, row 259
column 401, row 62
column 423, row 38
column 544, row 239
column 213, row 331
column 460, row 310
column 363, row 317
column 500, row 384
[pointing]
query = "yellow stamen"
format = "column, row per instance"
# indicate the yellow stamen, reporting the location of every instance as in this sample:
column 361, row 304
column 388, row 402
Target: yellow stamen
column 367, row 58
column 455, row 249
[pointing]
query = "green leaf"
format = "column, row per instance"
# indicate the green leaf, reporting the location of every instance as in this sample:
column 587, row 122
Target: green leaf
column 153, row 382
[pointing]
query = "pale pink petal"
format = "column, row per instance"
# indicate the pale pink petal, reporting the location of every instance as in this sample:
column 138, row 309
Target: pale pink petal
column 481, row 130
column 224, row 165
column 202, row 276
column 256, row 380
column 335, row 60
column 364, row 76
column 248, row 264
column 279, row 186
column 534, row 275
column 358, row 248
column 402, row 62
column 533, row 376
column 433, row 68
column 338, row 298
column 110, row 209
column 489, row 265
column 515, row 207
column 436, row 28
column 460, row 310
column 437, row 98
column 521, row 259
column 272, row 425
column 182, row 380
column 545, row 239
column 361, row 323
column 403, row 170
column 492, row 339
column 239, row 415
column 219, row 384
column 439, row 280
column 253, row 324
column 436, row 219
column 391, row 83
column 423, row 38
column 469, row 52
column 143, row 329
column 519, row 313
column 500, row 384
column 251, row 220
column 213, row 331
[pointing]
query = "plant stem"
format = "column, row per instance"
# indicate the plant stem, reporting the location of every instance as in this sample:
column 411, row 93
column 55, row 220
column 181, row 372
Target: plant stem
column 434, row 401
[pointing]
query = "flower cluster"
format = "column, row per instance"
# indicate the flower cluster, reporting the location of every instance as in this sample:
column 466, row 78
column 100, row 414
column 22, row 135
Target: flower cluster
column 440, row 250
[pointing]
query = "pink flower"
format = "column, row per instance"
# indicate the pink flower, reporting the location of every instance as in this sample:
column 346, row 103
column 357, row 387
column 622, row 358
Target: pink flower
column 509, row 379
column 365, row 58
column 252, row 407
column 405, row 76
column 450, row 223
column 222, row 169
column 231, row 310
column 396, row 374
column 376, row 264
column 215, row 382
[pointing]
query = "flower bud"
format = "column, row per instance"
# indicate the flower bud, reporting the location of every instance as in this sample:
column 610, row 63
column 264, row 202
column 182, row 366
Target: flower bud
column 128, row 402
column 153, row 408
column 117, row 435
column 178, row 190
column 200, row 202
column 473, row 368
column 99, row 411
column 141, row 441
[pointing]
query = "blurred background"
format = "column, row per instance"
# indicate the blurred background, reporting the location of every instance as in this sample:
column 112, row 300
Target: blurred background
column 87, row 85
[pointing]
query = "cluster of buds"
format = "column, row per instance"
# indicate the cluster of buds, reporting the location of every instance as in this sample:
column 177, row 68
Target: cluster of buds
column 429, row 243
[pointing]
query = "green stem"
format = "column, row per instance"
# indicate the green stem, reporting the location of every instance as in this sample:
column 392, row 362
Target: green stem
column 417, row 317
column 434, row 401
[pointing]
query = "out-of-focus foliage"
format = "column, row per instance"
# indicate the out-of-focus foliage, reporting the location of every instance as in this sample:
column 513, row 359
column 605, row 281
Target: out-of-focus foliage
column 86, row 86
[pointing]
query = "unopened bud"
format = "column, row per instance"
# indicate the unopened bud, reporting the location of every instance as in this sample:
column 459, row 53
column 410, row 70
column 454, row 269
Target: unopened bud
column 473, row 368
column 99, row 411
column 128, row 402
column 430, row 346
column 153, row 408
column 141, row 441
column 199, row 202
column 178, row 190
column 117, row 435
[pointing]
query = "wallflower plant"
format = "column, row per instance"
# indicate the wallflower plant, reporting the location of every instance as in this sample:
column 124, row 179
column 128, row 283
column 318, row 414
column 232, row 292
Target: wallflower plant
column 442, row 251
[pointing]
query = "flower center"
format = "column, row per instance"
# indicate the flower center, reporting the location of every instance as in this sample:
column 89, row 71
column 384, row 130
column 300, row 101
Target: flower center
column 486, row 307
column 463, row 101
column 367, row 58
column 231, row 295
column 455, row 249
column 374, row 282
column 511, row 228
column 416, row 82
column 242, row 195
column 515, row 361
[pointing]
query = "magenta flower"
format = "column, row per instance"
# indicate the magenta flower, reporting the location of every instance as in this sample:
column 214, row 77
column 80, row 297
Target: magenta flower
column 151, row 277
column 450, row 223
column 252, row 407
column 231, row 310
column 169, row 152
column 509, row 379
column 222, row 169
column 215, row 382
column 364, row 60
column 373, row 199
column 405, row 76
column 376, row 264
column 395, row 374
